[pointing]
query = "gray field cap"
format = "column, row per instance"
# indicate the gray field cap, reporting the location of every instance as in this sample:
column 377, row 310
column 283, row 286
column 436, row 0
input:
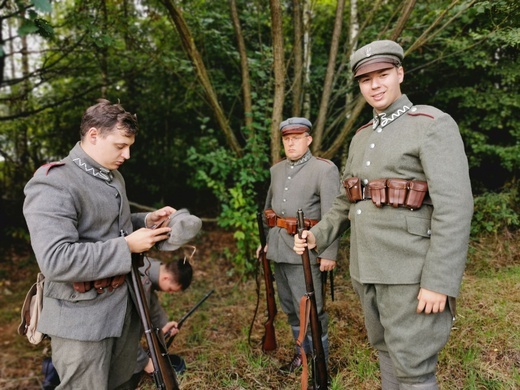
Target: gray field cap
column 184, row 229
column 376, row 56
column 295, row 126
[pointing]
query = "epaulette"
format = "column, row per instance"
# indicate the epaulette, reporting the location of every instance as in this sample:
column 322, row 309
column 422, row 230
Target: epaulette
column 324, row 159
column 364, row 126
column 279, row 161
column 420, row 114
column 47, row 167
column 424, row 110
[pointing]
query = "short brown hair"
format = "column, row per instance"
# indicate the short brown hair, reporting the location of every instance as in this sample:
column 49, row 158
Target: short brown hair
column 181, row 272
column 104, row 116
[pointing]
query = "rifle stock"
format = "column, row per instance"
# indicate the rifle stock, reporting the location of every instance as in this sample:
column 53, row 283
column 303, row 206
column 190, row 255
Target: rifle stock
column 164, row 373
column 319, row 366
column 269, row 338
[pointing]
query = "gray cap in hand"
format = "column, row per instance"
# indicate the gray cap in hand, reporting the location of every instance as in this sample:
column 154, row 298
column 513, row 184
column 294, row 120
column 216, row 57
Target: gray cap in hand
column 184, row 229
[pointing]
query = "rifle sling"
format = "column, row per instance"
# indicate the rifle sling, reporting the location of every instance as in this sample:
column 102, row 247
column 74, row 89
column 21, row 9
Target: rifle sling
column 305, row 311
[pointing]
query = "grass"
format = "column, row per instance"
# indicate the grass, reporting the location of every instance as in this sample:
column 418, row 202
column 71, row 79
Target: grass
column 483, row 351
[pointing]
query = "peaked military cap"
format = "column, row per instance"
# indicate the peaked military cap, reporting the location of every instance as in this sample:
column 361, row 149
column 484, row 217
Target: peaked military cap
column 295, row 125
column 185, row 227
column 376, row 56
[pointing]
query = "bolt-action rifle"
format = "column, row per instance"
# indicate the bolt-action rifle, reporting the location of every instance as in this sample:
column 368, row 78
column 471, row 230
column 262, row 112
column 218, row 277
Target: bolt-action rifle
column 164, row 373
column 168, row 334
column 319, row 366
column 269, row 338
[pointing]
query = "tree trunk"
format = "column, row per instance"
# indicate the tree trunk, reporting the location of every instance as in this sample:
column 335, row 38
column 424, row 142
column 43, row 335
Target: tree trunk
column 189, row 46
column 298, row 60
column 279, row 77
column 244, row 67
column 307, row 16
column 319, row 126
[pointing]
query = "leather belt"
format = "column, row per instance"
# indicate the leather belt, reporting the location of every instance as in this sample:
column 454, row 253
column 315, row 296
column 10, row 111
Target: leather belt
column 290, row 223
column 285, row 223
column 365, row 190
column 100, row 285
column 396, row 192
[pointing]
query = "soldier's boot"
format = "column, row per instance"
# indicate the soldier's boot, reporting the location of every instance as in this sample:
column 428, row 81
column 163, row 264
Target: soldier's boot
column 296, row 361
column 388, row 379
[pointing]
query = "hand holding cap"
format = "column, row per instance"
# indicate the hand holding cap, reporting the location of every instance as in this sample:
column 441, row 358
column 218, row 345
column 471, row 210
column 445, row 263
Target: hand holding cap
column 185, row 227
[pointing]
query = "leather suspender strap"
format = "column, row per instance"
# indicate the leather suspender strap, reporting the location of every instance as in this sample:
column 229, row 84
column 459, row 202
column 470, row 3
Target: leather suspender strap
column 305, row 311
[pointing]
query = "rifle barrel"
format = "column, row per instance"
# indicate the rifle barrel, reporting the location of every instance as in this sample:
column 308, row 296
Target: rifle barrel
column 185, row 317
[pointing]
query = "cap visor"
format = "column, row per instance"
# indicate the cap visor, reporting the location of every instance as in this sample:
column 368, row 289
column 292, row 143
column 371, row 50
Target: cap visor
column 367, row 68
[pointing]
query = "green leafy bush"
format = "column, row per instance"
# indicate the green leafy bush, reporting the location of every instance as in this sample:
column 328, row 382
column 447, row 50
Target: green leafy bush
column 495, row 212
column 235, row 181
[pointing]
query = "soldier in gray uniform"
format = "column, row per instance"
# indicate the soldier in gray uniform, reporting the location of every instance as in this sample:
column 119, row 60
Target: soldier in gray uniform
column 77, row 213
column 310, row 183
column 408, row 198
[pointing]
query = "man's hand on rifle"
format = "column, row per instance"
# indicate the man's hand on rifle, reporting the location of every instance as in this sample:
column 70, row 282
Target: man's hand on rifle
column 327, row 265
column 170, row 329
column 259, row 249
column 307, row 241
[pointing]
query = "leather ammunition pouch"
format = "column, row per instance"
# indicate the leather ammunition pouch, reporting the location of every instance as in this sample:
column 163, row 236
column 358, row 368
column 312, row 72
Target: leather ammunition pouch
column 353, row 188
column 416, row 194
column 377, row 191
column 289, row 223
column 100, row 285
column 271, row 217
column 395, row 192
column 397, row 189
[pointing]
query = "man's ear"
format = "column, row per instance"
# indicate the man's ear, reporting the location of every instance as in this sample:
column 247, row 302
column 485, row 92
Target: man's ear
column 92, row 135
column 400, row 74
column 164, row 276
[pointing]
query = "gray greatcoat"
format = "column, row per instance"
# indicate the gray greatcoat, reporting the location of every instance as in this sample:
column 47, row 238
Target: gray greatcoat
column 396, row 251
column 311, row 184
column 75, row 211
column 390, row 245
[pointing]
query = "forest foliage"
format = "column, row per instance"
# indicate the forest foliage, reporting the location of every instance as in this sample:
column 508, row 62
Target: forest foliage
column 210, row 82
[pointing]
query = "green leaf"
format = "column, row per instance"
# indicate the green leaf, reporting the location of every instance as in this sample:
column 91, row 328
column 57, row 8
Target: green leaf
column 27, row 27
column 43, row 5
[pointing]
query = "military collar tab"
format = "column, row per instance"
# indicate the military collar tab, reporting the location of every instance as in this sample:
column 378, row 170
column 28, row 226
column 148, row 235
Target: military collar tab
column 303, row 159
column 386, row 118
column 100, row 173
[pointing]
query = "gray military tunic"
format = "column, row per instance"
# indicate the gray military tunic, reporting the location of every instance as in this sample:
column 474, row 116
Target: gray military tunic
column 397, row 245
column 396, row 251
column 310, row 184
column 75, row 211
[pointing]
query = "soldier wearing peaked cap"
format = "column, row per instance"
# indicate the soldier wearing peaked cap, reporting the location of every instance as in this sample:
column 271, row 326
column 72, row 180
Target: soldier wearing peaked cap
column 407, row 195
column 310, row 183
column 76, row 210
